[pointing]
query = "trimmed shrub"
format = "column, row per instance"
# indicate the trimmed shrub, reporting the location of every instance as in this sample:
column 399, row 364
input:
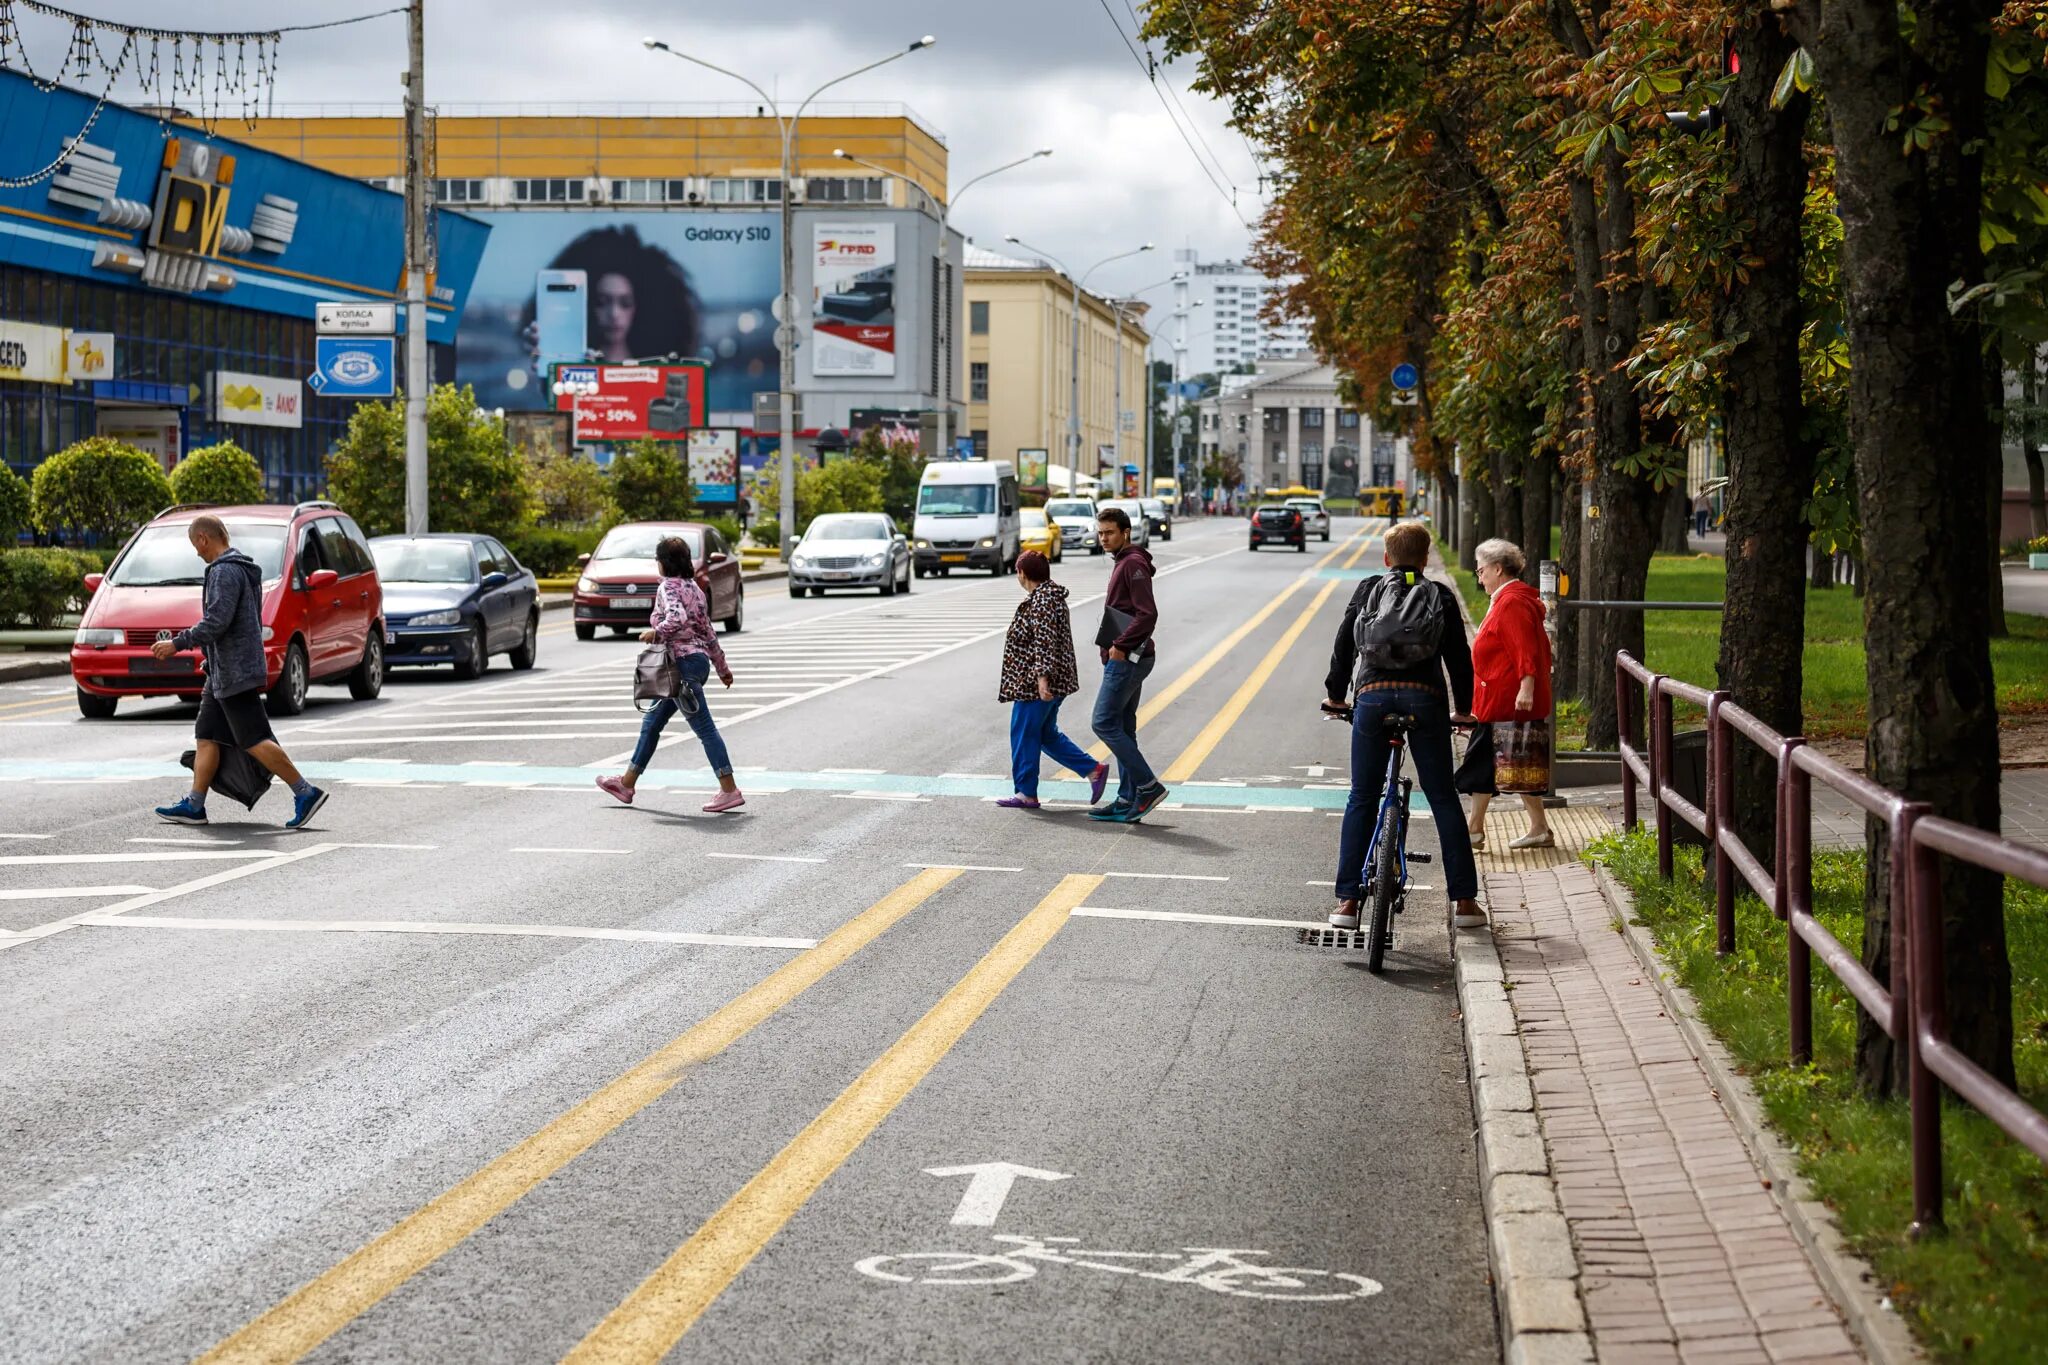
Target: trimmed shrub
column 475, row 480
column 551, row 551
column 225, row 475
column 650, row 481
column 768, row 533
column 729, row 527
column 99, row 486
column 15, row 505
column 38, row 587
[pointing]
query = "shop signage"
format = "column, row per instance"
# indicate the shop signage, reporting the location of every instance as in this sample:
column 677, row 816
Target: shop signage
column 257, row 400
column 354, row 367
column 89, row 355
column 32, row 352
column 637, row 402
column 356, row 319
column 853, row 299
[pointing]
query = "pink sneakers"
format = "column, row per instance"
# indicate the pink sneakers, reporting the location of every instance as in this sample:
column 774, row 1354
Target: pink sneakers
column 619, row 791
column 724, row 802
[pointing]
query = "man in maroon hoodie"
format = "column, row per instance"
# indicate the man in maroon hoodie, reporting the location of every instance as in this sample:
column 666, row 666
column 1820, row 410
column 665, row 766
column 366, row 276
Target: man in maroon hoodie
column 1125, row 639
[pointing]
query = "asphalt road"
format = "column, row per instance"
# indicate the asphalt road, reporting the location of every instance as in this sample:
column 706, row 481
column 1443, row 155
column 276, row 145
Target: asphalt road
column 485, row 1067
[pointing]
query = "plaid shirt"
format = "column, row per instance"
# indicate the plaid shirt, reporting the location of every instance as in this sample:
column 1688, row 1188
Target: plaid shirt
column 682, row 621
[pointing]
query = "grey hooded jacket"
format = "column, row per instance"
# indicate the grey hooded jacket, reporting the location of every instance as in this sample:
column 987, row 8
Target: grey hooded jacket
column 230, row 629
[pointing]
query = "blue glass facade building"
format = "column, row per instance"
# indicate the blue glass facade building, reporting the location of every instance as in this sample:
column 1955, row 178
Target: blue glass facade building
column 162, row 285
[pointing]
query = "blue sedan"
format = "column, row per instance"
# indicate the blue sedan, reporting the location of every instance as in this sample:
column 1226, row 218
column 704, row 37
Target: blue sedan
column 456, row 599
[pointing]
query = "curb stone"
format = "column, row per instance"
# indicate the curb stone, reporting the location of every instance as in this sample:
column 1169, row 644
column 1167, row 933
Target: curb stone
column 1850, row 1283
column 1536, row 1273
column 18, row 669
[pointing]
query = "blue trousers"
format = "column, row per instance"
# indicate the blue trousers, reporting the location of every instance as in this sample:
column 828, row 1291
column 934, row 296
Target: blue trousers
column 1116, row 723
column 1429, row 750
column 695, row 668
column 1035, row 730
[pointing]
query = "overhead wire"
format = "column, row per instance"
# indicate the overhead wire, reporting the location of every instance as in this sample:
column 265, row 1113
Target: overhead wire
column 1152, row 80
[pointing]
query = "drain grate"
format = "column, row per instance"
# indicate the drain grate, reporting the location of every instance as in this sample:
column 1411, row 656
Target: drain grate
column 1351, row 940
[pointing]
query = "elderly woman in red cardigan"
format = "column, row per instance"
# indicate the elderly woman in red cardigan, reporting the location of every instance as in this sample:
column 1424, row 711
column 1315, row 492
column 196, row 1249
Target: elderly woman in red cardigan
column 1511, row 682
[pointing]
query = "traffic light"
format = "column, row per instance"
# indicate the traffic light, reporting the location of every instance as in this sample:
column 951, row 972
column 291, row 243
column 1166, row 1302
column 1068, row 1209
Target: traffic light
column 1696, row 122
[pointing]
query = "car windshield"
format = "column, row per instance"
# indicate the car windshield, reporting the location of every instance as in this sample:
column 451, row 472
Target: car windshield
column 162, row 556
column 1085, row 510
column 860, row 528
column 956, row 500
column 423, row 561
column 638, row 542
column 1305, row 504
column 1034, row 517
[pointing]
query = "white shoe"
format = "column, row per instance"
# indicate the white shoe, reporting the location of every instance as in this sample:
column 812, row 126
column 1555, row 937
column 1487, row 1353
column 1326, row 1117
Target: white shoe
column 1543, row 839
column 1475, row 918
column 1340, row 918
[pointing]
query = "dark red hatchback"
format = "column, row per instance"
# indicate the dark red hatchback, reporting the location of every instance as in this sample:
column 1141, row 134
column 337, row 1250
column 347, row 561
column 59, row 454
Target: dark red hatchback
column 616, row 588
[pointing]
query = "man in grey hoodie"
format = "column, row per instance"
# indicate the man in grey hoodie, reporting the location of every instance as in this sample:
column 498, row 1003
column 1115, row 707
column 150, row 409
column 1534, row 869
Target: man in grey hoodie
column 230, row 630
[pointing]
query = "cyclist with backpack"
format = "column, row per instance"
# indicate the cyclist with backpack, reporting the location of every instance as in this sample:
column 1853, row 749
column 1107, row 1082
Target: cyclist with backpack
column 1401, row 639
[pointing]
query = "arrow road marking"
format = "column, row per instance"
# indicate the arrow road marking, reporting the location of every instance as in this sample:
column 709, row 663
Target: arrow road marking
column 989, row 1188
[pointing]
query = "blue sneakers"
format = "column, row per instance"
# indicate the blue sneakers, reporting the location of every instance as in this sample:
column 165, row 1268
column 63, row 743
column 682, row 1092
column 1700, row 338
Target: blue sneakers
column 185, row 812
column 305, row 807
column 1115, row 810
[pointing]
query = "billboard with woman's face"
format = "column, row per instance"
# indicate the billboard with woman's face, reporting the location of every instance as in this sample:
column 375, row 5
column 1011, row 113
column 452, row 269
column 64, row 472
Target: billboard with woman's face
column 648, row 285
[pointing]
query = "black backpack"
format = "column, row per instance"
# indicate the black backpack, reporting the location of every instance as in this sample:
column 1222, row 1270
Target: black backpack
column 1402, row 623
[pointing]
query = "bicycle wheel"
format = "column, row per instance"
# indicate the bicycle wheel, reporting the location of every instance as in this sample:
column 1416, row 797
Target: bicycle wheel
column 1386, row 885
column 1289, row 1284
column 949, row 1267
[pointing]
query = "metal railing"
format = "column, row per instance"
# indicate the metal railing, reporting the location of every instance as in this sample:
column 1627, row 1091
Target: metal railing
column 1911, row 1006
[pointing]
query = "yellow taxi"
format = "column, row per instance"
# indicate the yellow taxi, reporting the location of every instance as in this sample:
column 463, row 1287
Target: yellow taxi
column 1035, row 531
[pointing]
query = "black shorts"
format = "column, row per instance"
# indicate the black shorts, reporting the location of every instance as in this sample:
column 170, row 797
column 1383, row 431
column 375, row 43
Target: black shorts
column 239, row 720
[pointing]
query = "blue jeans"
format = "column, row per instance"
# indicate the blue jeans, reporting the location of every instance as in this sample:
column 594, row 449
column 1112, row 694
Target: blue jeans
column 1116, row 723
column 695, row 668
column 1035, row 730
column 1429, row 749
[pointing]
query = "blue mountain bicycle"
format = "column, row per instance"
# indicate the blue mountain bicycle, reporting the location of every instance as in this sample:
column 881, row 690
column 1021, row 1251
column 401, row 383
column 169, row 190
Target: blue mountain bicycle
column 1383, row 890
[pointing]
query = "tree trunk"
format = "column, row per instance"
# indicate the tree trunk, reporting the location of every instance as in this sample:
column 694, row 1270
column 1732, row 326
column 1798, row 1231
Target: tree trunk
column 1570, row 679
column 1481, row 490
column 1994, row 488
column 1535, row 535
column 1770, row 464
column 1820, row 568
column 1472, row 498
column 1918, row 421
column 2030, row 447
column 1507, row 494
column 1674, row 521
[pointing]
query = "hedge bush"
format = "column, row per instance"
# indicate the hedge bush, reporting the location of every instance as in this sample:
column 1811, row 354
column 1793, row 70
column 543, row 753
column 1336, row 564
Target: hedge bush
column 39, row 587
column 767, row 534
column 729, row 527
column 15, row 505
column 100, row 486
column 225, row 475
column 551, row 551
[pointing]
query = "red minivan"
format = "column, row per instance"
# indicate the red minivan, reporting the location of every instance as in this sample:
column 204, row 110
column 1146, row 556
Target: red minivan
column 323, row 608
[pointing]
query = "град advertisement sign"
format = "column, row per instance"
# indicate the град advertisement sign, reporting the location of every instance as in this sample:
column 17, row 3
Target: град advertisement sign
column 853, row 300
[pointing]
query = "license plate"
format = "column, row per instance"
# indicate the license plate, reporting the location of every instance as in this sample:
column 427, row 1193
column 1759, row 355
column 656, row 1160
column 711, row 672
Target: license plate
column 624, row 603
column 952, row 559
column 390, row 637
column 836, row 575
column 172, row 665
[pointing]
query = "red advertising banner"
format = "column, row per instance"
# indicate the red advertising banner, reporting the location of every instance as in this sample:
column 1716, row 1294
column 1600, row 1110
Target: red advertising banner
column 632, row 402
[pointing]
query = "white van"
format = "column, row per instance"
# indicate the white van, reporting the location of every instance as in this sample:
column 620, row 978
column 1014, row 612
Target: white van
column 966, row 517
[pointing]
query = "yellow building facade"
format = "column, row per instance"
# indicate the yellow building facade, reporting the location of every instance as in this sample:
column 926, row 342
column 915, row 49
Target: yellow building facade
column 626, row 154
column 1020, row 350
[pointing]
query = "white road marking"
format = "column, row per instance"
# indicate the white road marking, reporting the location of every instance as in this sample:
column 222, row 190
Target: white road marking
column 905, row 797
column 616, row 852
column 1166, row 876
column 448, row 927
column 55, row 893
column 962, row 867
column 27, row 836
column 854, row 772
column 143, row 902
column 190, row 841
column 53, row 859
column 1184, row 917
column 764, row 858
column 990, row 1186
column 977, row 777
column 398, row 846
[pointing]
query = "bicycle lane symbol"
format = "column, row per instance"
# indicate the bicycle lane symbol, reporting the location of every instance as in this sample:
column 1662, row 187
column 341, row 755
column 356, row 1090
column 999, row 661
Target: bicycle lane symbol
column 1221, row 1270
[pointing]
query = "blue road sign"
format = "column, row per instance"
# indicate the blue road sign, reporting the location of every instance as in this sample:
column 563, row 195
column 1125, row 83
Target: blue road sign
column 1406, row 376
column 354, row 367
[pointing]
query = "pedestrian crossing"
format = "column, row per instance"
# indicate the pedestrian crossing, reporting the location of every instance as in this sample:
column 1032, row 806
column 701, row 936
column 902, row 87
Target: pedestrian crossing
column 591, row 701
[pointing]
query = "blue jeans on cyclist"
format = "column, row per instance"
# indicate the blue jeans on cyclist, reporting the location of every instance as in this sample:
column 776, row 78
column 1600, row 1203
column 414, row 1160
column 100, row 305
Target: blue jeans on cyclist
column 1429, row 750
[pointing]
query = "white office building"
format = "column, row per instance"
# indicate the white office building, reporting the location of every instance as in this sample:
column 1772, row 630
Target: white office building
column 1287, row 424
column 1225, row 323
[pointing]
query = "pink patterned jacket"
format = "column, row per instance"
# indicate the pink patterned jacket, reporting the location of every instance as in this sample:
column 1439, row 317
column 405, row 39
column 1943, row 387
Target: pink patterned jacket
column 682, row 621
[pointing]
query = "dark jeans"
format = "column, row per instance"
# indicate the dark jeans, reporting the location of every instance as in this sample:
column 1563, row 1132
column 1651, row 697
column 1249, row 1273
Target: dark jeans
column 1699, row 522
column 1116, row 723
column 1429, row 751
column 695, row 668
column 1035, row 730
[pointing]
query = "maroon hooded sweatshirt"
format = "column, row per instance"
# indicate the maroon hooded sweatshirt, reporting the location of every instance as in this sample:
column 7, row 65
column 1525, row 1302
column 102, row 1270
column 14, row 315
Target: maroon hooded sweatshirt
column 1130, row 592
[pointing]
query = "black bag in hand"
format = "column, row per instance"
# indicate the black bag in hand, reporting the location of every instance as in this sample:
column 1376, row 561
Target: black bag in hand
column 239, row 778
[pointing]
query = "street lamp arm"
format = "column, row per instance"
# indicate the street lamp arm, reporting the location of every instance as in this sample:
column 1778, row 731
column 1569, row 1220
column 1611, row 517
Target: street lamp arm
column 860, row 71
column 930, row 198
column 1019, row 241
column 1006, row 166
column 1121, row 255
column 656, row 45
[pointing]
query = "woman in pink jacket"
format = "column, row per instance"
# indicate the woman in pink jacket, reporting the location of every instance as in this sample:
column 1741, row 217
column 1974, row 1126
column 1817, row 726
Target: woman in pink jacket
column 682, row 621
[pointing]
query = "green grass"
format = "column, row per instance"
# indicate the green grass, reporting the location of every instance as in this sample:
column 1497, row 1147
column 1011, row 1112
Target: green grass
column 1686, row 645
column 1978, row 1292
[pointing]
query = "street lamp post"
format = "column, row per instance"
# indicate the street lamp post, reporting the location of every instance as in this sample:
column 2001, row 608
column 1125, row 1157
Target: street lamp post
column 786, row 328
column 1074, row 356
column 944, row 211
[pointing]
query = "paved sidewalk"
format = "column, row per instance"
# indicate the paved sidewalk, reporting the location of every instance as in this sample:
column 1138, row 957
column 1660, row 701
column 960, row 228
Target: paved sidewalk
column 1684, row 1253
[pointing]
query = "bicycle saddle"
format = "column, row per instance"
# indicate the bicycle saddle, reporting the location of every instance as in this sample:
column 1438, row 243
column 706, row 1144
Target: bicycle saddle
column 1397, row 725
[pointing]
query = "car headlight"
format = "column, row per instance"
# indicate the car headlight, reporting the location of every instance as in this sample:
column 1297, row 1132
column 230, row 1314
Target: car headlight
column 438, row 618
column 875, row 560
column 98, row 637
column 800, row 560
column 924, row 545
column 988, row 542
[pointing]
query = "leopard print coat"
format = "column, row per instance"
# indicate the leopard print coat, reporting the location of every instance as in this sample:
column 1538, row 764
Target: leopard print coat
column 1040, row 644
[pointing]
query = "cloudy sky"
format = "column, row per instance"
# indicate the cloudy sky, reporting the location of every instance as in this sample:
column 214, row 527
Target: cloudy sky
column 1002, row 80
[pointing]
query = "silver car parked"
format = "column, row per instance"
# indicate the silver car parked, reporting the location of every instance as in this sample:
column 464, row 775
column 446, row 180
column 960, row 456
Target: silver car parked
column 1314, row 514
column 850, row 550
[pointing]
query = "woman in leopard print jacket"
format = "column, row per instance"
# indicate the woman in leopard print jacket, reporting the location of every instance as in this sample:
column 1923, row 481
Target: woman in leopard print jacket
column 1039, row 673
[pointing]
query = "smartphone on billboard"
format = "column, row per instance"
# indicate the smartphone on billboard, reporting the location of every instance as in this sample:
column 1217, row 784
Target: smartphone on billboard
column 561, row 313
